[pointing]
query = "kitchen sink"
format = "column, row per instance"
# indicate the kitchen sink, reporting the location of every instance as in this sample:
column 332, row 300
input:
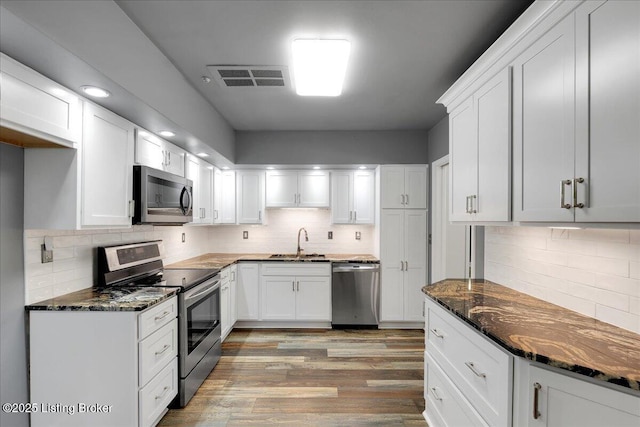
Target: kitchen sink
column 294, row 256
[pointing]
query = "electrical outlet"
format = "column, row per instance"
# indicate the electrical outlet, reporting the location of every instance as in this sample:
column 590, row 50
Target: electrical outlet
column 47, row 256
column 358, row 235
column 330, row 235
column 184, row 238
column 245, row 235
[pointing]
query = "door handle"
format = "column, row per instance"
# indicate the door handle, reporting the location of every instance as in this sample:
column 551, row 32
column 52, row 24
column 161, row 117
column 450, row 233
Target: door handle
column 406, row 197
column 563, row 184
column 536, row 391
column 435, row 332
column 355, row 216
column 473, row 202
column 577, row 181
column 434, row 391
column 466, row 205
column 298, row 286
column 293, row 285
column 402, row 202
column 471, row 366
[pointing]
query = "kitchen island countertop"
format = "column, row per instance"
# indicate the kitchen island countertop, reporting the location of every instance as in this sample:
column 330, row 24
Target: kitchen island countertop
column 222, row 260
column 543, row 332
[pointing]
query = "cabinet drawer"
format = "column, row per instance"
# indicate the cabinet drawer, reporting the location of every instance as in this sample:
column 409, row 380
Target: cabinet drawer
column 296, row 269
column 156, row 396
column 156, row 317
column 480, row 370
column 445, row 405
column 225, row 273
column 156, row 350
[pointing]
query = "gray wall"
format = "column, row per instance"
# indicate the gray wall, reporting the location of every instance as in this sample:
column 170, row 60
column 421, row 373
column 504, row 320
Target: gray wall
column 13, row 356
column 331, row 147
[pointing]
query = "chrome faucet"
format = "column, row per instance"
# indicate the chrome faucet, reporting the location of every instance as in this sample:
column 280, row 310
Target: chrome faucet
column 306, row 238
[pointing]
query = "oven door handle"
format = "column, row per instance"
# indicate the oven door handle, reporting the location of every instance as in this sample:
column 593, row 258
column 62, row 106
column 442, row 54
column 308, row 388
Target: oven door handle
column 191, row 296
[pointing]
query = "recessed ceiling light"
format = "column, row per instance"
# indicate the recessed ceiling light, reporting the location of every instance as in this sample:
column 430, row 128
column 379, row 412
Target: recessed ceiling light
column 202, row 155
column 95, row 91
column 316, row 167
column 166, row 133
column 362, row 167
column 225, row 167
column 270, row 168
column 319, row 66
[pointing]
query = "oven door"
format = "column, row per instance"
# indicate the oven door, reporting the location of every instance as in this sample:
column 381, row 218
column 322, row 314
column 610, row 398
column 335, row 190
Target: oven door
column 199, row 323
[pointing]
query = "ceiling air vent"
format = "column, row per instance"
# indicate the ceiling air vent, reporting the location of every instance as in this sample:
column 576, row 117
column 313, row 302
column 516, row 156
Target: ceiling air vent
column 233, row 76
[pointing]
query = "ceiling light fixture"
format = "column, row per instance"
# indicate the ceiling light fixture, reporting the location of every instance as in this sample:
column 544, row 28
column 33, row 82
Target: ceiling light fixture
column 362, row 167
column 202, row 155
column 166, row 133
column 319, row 66
column 270, row 168
column 316, row 167
column 225, row 167
column 95, row 91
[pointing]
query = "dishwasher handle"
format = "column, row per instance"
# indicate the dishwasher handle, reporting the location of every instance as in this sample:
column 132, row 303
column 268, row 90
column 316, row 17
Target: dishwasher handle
column 352, row 267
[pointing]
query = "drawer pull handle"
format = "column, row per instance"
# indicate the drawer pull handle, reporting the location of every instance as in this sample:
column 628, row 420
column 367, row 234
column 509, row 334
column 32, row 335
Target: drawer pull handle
column 474, row 370
column 165, row 314
column 435, row 332
column 164, row 391
column 435, row 394
column 165, row 348
column 536, row 390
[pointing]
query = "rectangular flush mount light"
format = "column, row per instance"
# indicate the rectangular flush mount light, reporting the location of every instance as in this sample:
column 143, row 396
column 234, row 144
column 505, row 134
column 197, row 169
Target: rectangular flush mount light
column 319, row 66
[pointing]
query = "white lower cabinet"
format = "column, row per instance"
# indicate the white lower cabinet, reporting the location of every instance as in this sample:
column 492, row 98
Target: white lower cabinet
column 109, row 368
column 478, row 370
column 248, row 291
column 296, row 291
column 551, row 399
column 228, row 298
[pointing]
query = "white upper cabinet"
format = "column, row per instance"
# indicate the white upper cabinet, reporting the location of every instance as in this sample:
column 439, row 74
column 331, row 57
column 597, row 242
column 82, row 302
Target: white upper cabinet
column 353, row 197
column 157, row 153
column 288, row 189
column 576, row 119
column 250, row 192
column 224, row 196
column 34, row 105
column 607, row 165
column 107, row 168
column 480, row 149
column 201, row 173
column 403, row 187
column 543, row 127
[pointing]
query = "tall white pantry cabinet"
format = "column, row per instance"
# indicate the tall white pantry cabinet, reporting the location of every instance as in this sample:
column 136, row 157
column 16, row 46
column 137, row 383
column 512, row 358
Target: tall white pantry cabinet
column 403, row 243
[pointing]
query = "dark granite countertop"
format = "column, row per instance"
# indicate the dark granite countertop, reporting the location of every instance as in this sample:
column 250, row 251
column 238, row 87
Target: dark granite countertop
column 543, row 332
column 222, row 260
column 106, row 299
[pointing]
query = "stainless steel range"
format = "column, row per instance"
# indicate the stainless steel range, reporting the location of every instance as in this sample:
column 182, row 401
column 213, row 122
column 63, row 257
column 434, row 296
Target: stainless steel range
column 140, row 265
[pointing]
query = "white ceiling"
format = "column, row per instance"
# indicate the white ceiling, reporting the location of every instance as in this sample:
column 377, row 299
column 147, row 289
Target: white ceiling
column 404, row 54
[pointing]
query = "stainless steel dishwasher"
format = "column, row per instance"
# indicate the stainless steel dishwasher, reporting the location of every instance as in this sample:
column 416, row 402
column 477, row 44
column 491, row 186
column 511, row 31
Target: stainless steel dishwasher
column 355, row 294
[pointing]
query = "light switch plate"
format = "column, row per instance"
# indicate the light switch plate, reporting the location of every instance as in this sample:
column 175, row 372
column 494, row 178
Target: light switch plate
column 245, row 235
column 184, row 238
column 358, row 235
column 330, row 235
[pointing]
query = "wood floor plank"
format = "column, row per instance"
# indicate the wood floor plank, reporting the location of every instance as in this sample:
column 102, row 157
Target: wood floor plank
column 303, row 377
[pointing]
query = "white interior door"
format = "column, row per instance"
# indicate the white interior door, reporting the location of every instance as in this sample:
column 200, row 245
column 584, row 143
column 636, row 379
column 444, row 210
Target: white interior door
column 448, row 240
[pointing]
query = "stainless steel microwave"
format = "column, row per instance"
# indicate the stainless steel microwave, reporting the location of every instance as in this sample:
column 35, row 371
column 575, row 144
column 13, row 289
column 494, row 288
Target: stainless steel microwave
column 161, row 197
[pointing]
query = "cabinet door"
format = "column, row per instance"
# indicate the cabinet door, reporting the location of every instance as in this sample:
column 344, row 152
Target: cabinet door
column 313, row 298
column 107, row 168
column 392, row 264
column 492, row 111
column 278, row 297
column 228, row 207
column 233, row 294
column 463, row 172
column 217, row 195
column 341, row 197
column 206, row 194
column 33, row 104
column 392, row 187
column 250, row 197
column 225, row 315
column 174, row 162
column 543, row 126
column 281, row 189
column 248, row 291
column 415, row 275
column 364, row 184
column 193, row 173
column 608, row 111
column 149, row 150
column 416, row 189
column 565, row 401
column 313, row 189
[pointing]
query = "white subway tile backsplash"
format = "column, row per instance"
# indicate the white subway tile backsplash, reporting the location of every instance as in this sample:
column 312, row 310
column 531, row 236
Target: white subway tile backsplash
column 595, row 272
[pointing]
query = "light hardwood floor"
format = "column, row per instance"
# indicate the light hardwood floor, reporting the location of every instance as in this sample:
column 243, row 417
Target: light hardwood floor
column 312, row 378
